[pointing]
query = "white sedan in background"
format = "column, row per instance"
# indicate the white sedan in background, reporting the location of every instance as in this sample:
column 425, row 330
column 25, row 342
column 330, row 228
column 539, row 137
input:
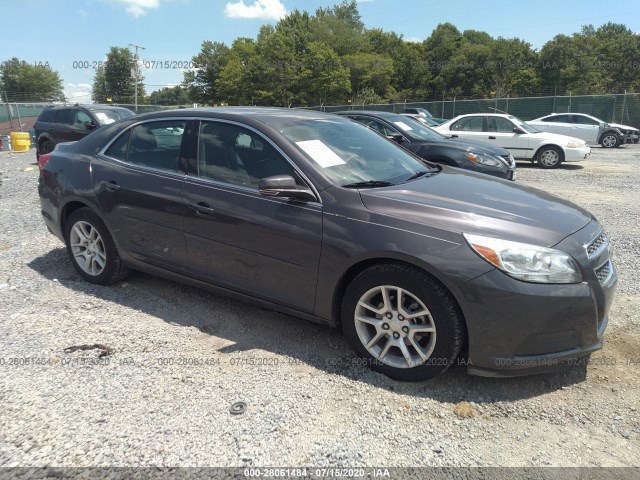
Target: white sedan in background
column 523, row 141
column 591, row 129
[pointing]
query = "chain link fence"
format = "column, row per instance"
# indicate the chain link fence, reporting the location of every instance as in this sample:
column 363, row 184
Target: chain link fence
column 614, row 108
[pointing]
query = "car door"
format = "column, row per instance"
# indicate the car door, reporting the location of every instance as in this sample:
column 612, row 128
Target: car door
column 60, row 129
column 237, row 238
column 138, row 182
column 586, row 128
column 500, row 132
column 469, row 128
column 560, row 124
column 78, row 129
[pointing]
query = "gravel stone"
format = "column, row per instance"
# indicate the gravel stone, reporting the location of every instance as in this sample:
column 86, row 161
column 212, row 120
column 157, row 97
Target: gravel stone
column 181, row 358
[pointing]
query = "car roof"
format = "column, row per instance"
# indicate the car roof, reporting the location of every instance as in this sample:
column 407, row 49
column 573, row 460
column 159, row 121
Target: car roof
column 373, row 113
column 263, row 114
column 90, row 106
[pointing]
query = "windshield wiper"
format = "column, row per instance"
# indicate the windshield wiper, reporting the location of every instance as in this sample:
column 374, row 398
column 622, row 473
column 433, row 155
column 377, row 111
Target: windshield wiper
column 369, row 184
column 422, row 173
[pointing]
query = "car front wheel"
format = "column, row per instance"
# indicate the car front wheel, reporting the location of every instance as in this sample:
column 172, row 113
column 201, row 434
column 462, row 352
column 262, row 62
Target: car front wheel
column 610, row 140
column 403, row 322
column 550, row 157
column 91, row 248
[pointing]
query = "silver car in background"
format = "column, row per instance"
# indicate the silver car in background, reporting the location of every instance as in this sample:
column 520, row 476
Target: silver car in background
column 588, row 128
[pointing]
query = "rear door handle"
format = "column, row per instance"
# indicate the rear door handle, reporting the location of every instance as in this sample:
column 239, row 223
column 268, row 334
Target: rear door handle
column 454, row 136
column 111, row 185
column 202, row 208
column 492, row 138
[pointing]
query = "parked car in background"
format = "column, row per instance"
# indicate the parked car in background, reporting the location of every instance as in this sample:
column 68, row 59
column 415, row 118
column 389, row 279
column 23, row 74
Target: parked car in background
column 320, row 217
column 432, row 146
column 69, row 123
column 590, row 129
column 523, row 141
column 424, row 113
column 429, row 122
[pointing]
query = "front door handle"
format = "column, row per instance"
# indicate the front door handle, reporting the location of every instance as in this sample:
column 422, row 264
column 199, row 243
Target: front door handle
column 454, row 136
column 492, row 138
column 202, row 208
column 111, row 185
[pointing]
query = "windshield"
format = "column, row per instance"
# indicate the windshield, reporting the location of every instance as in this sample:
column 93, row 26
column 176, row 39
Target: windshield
column 525, row 126
column 110, row 115
column 351, row 154
column 417, row 129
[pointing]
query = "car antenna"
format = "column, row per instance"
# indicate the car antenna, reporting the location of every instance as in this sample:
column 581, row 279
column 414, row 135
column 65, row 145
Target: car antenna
column 495, row 109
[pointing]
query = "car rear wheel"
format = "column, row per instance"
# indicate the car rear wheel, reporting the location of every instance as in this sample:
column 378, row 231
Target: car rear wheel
column 550, row 157
column 403, row 322
column 92, row 249
column 46, row 146
column 610, row 140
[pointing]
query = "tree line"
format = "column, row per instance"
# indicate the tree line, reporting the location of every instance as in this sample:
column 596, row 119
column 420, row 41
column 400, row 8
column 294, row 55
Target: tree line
column 330, row 57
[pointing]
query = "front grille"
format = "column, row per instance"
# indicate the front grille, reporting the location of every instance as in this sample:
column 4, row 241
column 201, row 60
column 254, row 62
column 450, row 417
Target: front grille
column 597, row 244
column 604, row 272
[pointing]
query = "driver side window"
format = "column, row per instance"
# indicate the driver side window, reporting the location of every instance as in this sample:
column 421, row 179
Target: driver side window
column 235, row 155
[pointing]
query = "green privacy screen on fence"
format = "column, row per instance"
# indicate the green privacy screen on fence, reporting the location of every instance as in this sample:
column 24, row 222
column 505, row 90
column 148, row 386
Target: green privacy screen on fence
column 621, row 108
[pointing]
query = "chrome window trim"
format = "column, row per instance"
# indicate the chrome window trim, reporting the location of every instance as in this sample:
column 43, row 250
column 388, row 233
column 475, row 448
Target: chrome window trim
column 305, row 178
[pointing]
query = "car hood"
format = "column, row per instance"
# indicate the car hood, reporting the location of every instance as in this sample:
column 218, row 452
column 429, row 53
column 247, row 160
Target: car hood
column 623, row 127
column 462, row 201
column 463, row 145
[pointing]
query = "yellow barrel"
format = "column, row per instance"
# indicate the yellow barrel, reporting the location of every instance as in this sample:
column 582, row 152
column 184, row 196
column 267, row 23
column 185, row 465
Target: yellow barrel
column 20, row 141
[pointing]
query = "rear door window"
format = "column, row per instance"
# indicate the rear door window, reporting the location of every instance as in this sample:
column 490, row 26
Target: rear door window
column 469, row 124
column 153, row 144
column 63, row 116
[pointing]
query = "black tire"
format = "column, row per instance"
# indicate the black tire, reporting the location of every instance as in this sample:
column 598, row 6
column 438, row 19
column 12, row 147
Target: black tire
column 450, row 332
column 550, row 156
column 610, row 140
column 113, row 270
column 46, row 146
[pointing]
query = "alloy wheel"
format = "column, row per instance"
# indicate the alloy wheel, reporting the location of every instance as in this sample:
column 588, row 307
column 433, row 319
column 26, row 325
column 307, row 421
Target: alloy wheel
column 395, row 326
column 88, row 248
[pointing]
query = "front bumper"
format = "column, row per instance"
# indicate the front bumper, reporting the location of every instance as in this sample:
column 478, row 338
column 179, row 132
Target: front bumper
column 518, row 328
column 576, row 154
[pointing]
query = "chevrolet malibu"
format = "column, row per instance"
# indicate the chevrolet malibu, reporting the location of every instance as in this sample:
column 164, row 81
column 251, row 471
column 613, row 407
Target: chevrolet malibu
column 319, row 217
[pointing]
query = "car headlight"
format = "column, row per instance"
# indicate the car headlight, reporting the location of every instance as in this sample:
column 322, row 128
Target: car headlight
column 484, row 159
column 529, row 263
column 575, row 144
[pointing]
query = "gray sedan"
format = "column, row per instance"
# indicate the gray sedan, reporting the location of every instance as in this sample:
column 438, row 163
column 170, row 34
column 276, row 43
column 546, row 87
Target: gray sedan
column 320, row 217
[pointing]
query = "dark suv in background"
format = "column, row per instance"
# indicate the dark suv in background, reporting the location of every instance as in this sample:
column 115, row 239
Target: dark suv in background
column 68, row 123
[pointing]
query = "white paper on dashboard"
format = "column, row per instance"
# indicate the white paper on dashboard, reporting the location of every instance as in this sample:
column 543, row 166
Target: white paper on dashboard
column 104, row 119
column 320, row 153
column 403, row 126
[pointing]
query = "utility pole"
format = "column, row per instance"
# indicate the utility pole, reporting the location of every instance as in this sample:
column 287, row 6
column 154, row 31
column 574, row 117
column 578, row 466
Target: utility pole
column 135, row 59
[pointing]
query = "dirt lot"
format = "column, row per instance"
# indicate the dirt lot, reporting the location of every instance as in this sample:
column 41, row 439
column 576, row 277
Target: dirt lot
column 182, row 356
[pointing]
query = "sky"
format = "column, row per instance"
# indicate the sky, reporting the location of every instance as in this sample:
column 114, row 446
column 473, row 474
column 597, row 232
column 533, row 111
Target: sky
column 73, row 36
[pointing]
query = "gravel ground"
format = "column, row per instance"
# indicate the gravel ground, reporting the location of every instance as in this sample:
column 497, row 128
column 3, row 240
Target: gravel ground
column 162, row 397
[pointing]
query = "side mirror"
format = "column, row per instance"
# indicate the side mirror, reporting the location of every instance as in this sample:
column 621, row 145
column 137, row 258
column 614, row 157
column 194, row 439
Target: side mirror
column 518, row 130
column 89, row 125
column 396, row 137
column 284, row 186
